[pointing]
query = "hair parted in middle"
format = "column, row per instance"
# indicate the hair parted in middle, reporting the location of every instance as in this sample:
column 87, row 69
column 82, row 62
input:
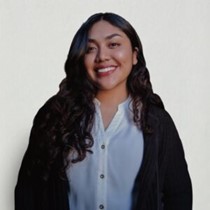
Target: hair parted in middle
column 63, row 125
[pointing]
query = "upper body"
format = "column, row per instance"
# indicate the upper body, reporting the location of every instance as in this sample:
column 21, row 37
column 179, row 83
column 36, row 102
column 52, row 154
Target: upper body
column 105, row 62
column 163, row 178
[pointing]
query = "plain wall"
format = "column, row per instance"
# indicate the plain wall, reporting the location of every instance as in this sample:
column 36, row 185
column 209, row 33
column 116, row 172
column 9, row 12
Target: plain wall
column 35, row 36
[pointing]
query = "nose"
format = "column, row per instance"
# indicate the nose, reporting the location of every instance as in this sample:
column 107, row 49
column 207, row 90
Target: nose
column 102, row 54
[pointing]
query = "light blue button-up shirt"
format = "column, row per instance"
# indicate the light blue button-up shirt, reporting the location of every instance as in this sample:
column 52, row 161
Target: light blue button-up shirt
column 105, row 179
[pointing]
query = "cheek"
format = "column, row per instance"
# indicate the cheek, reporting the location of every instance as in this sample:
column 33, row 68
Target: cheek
column 125, row 57
column 121, row 55
column 88, row 62
column 89, row 66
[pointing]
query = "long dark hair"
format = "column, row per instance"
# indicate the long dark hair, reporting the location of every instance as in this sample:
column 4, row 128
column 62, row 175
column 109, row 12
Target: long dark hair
column 63, row 125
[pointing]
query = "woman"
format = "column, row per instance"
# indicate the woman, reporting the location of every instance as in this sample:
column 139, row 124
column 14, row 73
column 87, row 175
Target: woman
column 104, row 141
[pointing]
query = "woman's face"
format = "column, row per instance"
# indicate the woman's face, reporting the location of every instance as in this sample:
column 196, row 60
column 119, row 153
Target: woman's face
column 109, row 58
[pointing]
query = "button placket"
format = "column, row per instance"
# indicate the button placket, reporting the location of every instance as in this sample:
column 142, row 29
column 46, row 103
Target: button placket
column 102, row 146
column 102, row 173
column 101, row 201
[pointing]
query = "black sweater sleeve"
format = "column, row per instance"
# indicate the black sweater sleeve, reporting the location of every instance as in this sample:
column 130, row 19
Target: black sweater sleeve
column 177, row 187
column 40, row 188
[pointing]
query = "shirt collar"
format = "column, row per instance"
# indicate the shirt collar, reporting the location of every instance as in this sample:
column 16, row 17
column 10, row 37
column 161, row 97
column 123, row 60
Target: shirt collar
column 122, row 105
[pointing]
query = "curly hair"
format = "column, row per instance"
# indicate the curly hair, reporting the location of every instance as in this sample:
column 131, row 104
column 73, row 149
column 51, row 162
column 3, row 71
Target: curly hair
column 63, row 125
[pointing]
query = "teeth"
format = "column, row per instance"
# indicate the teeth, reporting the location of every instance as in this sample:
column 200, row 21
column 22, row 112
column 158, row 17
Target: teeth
column 106, row 69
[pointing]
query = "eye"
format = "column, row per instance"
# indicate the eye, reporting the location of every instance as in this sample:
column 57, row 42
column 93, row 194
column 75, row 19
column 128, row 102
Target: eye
column 114, row 45
column 91, row 49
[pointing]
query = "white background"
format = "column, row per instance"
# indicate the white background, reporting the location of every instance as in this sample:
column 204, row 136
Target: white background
column 35, row 36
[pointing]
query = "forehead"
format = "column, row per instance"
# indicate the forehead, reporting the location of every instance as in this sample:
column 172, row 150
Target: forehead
column 103, row 29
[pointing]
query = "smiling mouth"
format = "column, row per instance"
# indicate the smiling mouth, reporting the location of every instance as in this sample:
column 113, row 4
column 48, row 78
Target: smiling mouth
column 107, row 69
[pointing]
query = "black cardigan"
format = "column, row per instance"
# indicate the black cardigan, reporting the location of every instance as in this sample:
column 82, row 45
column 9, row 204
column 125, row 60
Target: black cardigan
column 163, row 181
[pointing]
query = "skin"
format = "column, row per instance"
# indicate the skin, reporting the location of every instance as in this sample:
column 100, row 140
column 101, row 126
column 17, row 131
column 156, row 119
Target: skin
column 109, row 61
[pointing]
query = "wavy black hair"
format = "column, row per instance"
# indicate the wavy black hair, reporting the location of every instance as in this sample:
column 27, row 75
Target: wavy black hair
column 63, row 125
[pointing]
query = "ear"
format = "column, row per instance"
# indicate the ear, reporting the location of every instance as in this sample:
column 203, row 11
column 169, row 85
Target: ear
column 135, row 55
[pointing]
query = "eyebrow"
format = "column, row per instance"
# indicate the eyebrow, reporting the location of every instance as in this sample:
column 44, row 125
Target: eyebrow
column 107, row 37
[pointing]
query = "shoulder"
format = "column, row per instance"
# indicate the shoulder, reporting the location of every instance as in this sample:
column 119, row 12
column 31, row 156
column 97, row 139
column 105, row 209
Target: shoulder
column 164, row 127
column 53, row 103
column 52, row 107
column 160, row 115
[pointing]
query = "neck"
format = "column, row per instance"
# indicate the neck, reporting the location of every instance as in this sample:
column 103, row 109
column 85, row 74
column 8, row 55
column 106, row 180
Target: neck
column 111, row 98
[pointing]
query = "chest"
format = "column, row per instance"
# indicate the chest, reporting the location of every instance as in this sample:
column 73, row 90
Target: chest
column 109, row 172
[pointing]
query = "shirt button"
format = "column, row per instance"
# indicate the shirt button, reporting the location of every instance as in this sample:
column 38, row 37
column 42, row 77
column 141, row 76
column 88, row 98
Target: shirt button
column 101, row 206
column 101, row 176
column 102, row 146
